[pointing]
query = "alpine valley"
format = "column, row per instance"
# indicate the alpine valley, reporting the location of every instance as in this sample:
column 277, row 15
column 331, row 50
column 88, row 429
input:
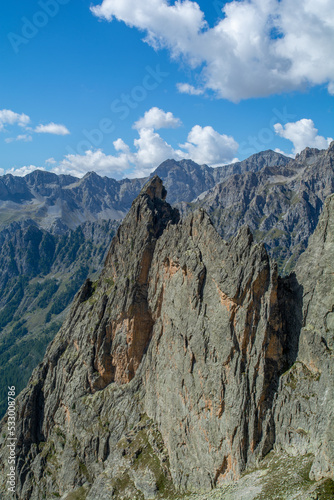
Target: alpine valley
column 172, row 337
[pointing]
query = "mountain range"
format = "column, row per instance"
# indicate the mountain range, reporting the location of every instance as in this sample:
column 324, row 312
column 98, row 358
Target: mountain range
column 61, row 202
column 56, row 231
column 189, row 366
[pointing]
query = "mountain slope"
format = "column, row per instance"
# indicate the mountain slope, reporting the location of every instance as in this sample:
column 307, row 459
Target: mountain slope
column 40, row 273
column 62, row 202
column 185, row 180
column 279, row 199
column 167, row 374
column 304, row 415
column 281, row 205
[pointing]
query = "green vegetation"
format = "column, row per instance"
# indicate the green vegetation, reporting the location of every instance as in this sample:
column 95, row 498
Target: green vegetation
column 19, row 354
column 13, row 300
column 79, row 494
column 65, row 297
column 144, row 450
column 50, row 287
column 326, row 490
column 38, row 280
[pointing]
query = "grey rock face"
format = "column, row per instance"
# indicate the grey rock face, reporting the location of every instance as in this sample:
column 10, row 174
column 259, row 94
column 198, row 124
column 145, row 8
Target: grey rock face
column 220, row 345
column 180, row 326
column 185, row 180
column 64, row 202
column 305, row 405
column 280, row 204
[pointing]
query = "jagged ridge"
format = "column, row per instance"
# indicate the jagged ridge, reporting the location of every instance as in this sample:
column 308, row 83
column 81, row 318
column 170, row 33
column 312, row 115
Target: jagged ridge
column 182, row 327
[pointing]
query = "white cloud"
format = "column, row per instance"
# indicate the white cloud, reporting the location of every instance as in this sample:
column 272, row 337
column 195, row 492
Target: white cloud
column 302, row 134
column 2, row 172
column 259, row 47
column 186, row 88
column 52, row 128
column 206, row 145
column 50, row 161
column 22, row 171
column 278, row 150
column 22, row 137
column 8, row 117
column 151, row 151
column 120, row 145
column 174, row 26
column 97, row 161
column 156, row 119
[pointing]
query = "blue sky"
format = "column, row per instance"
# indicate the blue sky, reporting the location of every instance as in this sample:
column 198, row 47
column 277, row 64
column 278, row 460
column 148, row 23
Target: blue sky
column 120, row 85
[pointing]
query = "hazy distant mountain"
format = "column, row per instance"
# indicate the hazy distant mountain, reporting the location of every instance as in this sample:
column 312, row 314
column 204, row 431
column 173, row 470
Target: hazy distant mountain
column 280, row 204
column 59, row 202
column 40, row 273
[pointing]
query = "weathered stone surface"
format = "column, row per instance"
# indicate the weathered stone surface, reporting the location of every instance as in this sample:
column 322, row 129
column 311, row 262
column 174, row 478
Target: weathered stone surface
column 213, row 363
column 280, row 203
column 304, row 417
column 60, row 202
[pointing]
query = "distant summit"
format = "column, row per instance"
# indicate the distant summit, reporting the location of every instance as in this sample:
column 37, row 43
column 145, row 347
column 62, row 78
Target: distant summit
column 49, row 199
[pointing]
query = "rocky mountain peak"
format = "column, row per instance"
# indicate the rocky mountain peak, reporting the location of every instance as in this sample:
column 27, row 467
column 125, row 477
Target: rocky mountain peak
column 331, row 147
column 179, row 319
column 185, row 363
column 154, row 189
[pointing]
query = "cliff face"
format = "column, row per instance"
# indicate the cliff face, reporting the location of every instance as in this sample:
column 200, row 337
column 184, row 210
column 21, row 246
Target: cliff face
column 280, row 203
column 172, row 370
column 40, row 273
column 217, row 350
column 304, row 412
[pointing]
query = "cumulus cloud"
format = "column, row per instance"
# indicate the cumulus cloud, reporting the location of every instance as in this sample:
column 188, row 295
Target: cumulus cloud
column 120, row 145
column 174, row 26
column 50, row 161
column 302, row 134
column 52, row 128
column 149, row 149
column 8, row 117
column 278, row 150
column 206, row 145
column 22, row 171
column 97, row 161
column 22, row 137
column 258, row 47
column 156, row 119
column 186, row 88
